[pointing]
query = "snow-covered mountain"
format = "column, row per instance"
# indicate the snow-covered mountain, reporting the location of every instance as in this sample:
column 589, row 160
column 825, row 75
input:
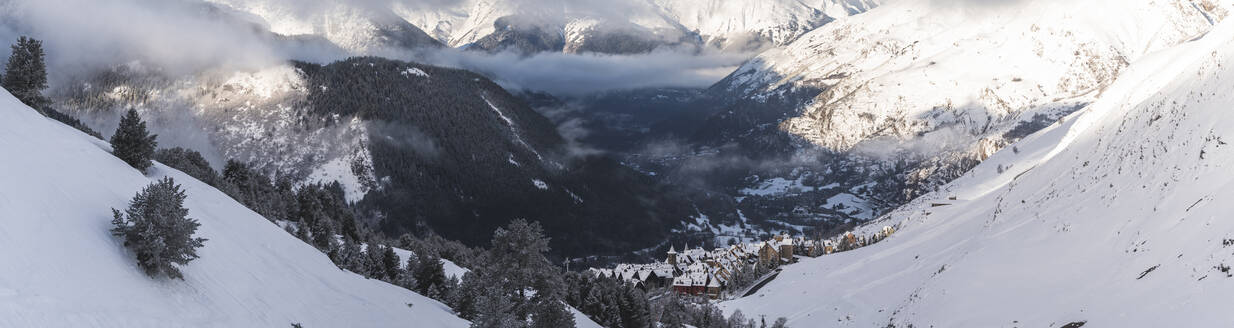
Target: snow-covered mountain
column 626, row 26
column 887, row 105
column 63, row 268
column 360, row 30
column 915, row 67
column 1114, row 216
column 734, row 24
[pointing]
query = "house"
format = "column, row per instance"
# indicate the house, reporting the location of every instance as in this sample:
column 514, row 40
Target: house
column 786, row 250
column 887, row 231
column 768, row 254
column 713, row 288
column 693, row 281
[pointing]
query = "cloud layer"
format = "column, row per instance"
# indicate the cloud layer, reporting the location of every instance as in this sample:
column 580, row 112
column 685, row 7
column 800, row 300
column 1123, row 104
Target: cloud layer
column 172, row 34
column 577, row 74
column 189, row 35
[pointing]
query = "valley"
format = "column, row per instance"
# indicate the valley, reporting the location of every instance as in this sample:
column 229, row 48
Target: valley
column 629, row 163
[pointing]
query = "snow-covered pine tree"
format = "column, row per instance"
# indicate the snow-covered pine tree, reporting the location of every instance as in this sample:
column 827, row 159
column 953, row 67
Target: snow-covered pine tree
column 132, row 143
column 156, row 227
column 26, row 73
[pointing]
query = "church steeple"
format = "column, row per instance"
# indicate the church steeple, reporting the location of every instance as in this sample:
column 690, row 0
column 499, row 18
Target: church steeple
column 672, row 255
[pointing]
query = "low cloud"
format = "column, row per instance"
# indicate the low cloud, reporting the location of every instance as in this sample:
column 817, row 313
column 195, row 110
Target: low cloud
column 933, row 142
column 172, row 34
column 404, row 136
column 579, row 74
column 187, row 36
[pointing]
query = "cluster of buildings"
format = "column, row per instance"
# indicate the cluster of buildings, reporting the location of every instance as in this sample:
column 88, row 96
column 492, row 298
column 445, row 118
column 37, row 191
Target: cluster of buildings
column 696, row 271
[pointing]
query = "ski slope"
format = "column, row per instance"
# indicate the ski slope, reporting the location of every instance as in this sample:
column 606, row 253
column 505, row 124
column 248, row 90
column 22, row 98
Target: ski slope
column 60, row 266
column 1117, row 216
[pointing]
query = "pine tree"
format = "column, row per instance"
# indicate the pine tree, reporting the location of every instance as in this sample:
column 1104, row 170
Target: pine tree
column 634, row 309
column 190, row 162
column 451, row 292
column 494, row 310
column 468, row 292
column 26, row 73
column 437, row 292
column 551, row 314
column 518, row 262
column 412, row 265
column 612, row 308
column 593, row 303
column 374, row 254
column 390, row 263
column 323, row 236
column 157, row 228
column 132, row 143
column 350, row 256
column 737, row 320
column 429, row 272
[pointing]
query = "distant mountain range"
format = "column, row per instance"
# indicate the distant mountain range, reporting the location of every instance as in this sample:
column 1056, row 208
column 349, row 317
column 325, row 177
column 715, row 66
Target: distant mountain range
column 573, row 27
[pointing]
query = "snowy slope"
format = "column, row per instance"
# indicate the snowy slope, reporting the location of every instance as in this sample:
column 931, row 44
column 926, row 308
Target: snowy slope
column 1116, row 217
column 62, row 268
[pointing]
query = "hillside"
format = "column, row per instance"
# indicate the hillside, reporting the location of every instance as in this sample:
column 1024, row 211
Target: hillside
column 64, row 269
column 421, row 148
column 1113, row 216
column 868, row 112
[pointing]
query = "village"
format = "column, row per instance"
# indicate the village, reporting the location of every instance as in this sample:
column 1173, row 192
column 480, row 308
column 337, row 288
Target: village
column 726, row 271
